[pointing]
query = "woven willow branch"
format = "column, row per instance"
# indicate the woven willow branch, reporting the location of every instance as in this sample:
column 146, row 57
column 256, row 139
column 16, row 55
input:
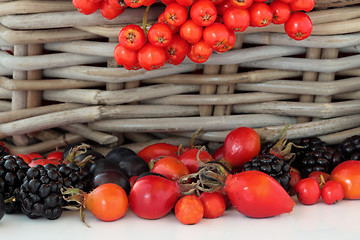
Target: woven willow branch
column 220, row 99
column 47, row 146
column 13, row 7
column 299, row 64
column 320, row 110
column 337, row 41
column 295, row 131
column 82, row 130
column 115, row 75
column 212, row 123
column 74, row 18
column 46, row 84
column 26, row 63
column 14, row 115
column 51, row 120
column 229, row 78
column 118, row 96
column 303, row 87
column 16, row 37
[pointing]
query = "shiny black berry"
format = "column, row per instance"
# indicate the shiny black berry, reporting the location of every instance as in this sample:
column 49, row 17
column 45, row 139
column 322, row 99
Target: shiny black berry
column 273, row 166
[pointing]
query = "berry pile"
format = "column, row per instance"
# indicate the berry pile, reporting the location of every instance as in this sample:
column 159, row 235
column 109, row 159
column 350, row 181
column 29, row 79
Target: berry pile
column 258, row 181
column 109, row 9
column 196, row 28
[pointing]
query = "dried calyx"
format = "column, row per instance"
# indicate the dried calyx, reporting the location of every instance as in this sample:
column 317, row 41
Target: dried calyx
column 210, row 177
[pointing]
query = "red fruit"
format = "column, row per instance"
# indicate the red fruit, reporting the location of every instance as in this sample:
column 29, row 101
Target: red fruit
column 160, row 35
column 156, row 150
column 191, row 32
column 189, row 210
column 256, row 194
column 229, row 44
column 199, row 52
column 222, row 7
column 189, row 159
column 298, row 26
column 167, row 2
column 152, row 197
column 34, row 156
column 186, row 3
column 134, row 3
column 126, row 57
column 317, row 176
column 162, row 19
column 219, row 153
column 302, row 5
column 25, row 158
column 241, row 4
column 216, row 35
column 214, row 204
column 43, row 162
column 260, row 14
column 332, row 192
column 236, row 19
column 308, row 191
column 176, row 14
column 287, row 1
column 177, row 50
column 217, row 2
column 132, row 37
column 170, row 167
column 108, row 11
column 108, row 202
column 347, row 174
column 148, row 2
column 203, row 12
column 151, row 57
column 55, row 156
column 86, row 7
column 241, row 145
column 281, row 12
column 116, row 3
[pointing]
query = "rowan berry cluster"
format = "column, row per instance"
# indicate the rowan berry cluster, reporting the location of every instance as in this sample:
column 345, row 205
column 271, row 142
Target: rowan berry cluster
column 197, row 28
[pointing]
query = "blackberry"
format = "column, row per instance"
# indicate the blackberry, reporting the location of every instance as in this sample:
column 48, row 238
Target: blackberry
column 12, row 172
column 273, row 166
column 350, row 148
column 315, row 155
column 74, row 176
column 40, row 193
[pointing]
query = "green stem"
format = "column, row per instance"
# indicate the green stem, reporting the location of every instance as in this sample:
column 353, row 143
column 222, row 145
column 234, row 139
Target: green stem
column 145, row 19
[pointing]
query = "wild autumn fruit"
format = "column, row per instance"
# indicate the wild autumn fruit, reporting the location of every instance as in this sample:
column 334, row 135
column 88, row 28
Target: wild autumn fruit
column 347, row 174
column 241, row 145
column 308, row 191
column 256, row 194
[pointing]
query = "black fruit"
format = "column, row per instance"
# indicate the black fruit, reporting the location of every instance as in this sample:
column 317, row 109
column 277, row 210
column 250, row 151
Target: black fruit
column 40, row 193
column 273, row 166
column 82, row 154
column 111, row 176
column 102, row 165
column 128, row 161
column 12, row 172
column 350, row 148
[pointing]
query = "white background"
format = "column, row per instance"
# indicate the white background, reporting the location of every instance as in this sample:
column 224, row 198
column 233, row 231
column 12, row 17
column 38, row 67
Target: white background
column 340, row 221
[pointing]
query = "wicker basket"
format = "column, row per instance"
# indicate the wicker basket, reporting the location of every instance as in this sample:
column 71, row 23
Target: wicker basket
column 63, row 86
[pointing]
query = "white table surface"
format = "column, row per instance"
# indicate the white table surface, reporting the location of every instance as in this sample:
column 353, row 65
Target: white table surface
column 340, row 221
